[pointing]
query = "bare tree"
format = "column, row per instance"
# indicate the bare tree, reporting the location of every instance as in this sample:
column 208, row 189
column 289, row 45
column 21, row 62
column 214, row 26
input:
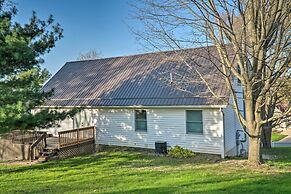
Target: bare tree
column 279, row 96
column 256, row 52
column 90, row 55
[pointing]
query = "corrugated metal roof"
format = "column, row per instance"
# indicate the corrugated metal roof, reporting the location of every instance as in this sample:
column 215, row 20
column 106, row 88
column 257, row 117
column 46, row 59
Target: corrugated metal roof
column 141, row 80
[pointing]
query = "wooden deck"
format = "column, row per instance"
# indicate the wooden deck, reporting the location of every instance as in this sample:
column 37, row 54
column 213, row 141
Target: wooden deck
column 68, row 143
column 52, row 142
column 76, row 136
column 37, row 145
column 71, row 137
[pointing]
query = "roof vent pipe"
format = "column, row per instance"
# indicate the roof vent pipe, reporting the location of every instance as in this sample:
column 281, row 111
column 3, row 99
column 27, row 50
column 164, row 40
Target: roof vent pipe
column 171, row 77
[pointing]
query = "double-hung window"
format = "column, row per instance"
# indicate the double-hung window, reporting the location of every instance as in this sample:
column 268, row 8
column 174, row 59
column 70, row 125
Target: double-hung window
column 140, row 120
column 194, row 122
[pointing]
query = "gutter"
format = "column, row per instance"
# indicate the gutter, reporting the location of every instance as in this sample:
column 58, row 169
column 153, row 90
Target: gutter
column 137, row 107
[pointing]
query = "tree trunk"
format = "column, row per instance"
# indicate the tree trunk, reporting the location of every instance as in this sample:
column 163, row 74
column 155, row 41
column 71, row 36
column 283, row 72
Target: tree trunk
column 254, row 149
column 267, row 112
column 267, row 137
column 254, row 155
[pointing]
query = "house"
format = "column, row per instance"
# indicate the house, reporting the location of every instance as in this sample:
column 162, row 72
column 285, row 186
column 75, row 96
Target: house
column 175, row 96
column 280, row 109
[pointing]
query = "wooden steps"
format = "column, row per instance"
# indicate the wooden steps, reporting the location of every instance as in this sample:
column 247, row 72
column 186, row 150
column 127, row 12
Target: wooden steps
column 48, row 154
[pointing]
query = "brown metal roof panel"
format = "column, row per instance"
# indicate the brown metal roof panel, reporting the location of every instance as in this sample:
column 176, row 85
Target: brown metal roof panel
column 139, row 77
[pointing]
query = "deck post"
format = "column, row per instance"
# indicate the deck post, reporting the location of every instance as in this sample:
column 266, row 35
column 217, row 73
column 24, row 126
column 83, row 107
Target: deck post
column 94, row 130
column 45, row 144
column 94, row 139
column 78, row 136
column 59, row 140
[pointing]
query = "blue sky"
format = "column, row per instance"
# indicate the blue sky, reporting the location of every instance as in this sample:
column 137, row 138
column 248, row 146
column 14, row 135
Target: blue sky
column 101, row 25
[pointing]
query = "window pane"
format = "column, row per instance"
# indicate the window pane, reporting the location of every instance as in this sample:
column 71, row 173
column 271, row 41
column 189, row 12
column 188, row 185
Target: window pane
column 140, row 114
column 194, row 115
column 141, row 125
column 140, row 120
column 194, row 127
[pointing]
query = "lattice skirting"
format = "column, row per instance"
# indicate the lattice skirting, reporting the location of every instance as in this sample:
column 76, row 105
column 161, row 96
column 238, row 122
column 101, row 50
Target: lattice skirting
column 76, row 150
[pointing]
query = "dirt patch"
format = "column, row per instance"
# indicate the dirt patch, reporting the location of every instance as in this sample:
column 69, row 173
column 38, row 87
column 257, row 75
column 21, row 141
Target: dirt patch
column 245, row 164
column 241, row 163
column 112, row 148
column 200, row 158
column 19, row 163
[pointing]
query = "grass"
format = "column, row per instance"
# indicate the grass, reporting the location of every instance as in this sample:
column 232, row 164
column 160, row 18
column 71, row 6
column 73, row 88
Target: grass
column 281, row 157
column 277, row 136
column 140, row 172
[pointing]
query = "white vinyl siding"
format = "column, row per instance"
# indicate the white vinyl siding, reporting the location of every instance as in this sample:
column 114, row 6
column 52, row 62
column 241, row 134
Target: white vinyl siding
column 232, row 124
column 81, row 119
column 117, row 127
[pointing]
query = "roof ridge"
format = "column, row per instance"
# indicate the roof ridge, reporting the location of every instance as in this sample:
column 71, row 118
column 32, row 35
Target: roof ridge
column 140, row 54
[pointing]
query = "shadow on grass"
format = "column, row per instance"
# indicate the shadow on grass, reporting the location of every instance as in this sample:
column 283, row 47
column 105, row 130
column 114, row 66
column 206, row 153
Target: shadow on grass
column 123, row 172
column 135, row 159
column 113, row 159
column 279, row 183
column 270, row 183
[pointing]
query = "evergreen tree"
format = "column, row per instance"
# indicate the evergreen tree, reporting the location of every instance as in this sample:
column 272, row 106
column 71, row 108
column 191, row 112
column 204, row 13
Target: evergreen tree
column 21, row 75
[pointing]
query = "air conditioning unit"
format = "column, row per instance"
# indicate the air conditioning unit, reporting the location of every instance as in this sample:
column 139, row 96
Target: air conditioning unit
column 161, row 147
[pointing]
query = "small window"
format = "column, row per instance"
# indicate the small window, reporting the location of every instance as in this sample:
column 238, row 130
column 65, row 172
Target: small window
column 194, row 123
column 140, row 120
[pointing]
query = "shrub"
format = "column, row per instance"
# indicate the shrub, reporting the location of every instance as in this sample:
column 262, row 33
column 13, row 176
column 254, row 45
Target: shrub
column 179, row 152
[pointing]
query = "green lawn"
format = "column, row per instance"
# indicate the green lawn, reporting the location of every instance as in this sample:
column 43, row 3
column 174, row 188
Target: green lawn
column 277, row 136
column 138, row 172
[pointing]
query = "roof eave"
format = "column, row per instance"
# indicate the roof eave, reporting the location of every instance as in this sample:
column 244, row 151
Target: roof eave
column 141, row 106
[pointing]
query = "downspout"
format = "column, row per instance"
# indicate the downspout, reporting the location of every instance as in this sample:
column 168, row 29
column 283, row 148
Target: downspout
column 244, row 107
column 223, row 133
column 238, row 141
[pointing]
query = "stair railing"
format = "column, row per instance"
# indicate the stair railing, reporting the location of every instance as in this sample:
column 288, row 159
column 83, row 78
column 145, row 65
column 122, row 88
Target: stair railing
column 40, row 143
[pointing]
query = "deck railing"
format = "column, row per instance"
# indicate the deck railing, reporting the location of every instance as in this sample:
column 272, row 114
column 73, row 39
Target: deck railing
column 39, row 144
column 76, row 136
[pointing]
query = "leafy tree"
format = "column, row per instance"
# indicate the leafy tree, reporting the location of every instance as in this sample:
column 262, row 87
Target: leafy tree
column 21, row 74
